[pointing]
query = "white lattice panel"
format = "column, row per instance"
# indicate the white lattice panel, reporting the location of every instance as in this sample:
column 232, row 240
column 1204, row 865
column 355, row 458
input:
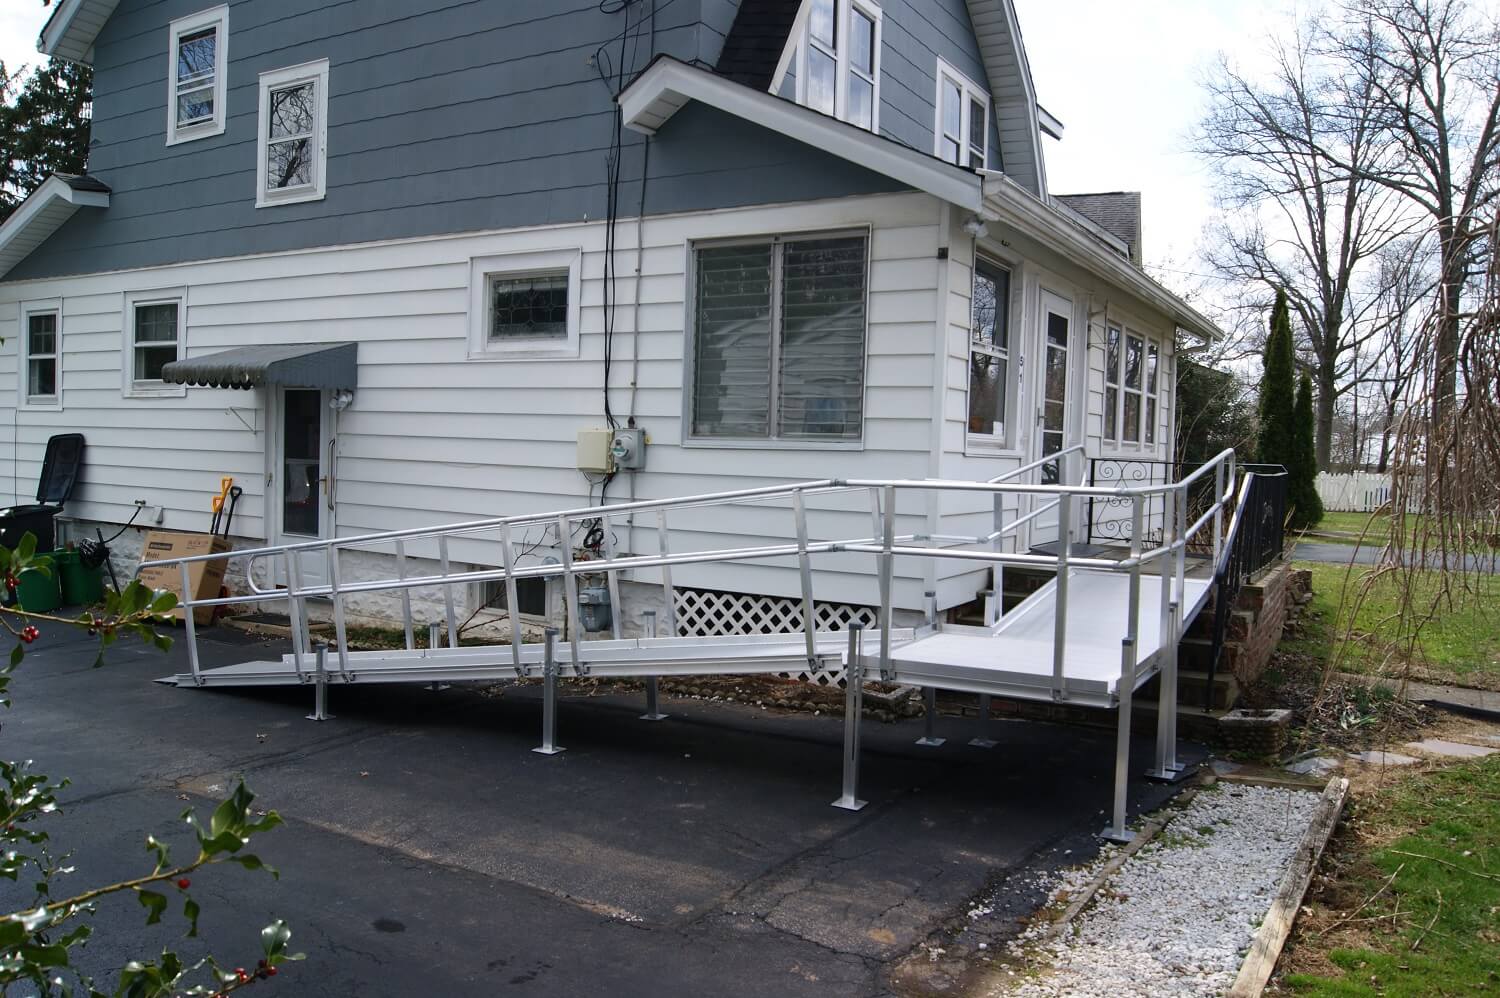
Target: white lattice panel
column 704, row 612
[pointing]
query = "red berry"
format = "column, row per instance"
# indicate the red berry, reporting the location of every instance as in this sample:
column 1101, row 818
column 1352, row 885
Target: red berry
column 240, row 973
column 270, row 971
column 30, row 634
column 184, row 883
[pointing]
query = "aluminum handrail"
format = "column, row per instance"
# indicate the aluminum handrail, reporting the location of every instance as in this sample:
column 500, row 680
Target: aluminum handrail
column 1039, row 463
column 885, row 545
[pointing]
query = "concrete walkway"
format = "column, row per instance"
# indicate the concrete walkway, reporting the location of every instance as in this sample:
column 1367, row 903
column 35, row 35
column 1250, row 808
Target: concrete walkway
column 429, row 851
column 1365, row 554
column 1459, row 699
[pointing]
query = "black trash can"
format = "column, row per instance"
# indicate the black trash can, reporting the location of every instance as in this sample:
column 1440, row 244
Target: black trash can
column 60, row 470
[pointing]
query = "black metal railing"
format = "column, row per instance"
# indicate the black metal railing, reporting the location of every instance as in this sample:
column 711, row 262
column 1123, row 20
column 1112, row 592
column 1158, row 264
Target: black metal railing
column 1108, row 517
column 1254, row 538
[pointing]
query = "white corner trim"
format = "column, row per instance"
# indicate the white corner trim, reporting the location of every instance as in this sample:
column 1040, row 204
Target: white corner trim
column 315, row 72
column 218, row 19
column 520, row 264
column 668, row 85
column 36, row 219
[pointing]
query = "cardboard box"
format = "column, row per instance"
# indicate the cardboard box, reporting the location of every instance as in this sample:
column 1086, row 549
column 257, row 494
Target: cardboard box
column 205, row 577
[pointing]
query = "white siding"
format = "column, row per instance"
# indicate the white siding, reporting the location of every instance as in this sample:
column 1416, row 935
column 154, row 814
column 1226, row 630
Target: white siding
column 433, row 437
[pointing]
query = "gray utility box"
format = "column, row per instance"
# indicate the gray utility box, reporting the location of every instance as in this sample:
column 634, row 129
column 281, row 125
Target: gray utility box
column 629, row 449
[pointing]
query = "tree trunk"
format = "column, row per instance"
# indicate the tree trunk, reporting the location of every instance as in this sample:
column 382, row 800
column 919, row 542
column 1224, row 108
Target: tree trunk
column 1326, row 389
column 1445, row 364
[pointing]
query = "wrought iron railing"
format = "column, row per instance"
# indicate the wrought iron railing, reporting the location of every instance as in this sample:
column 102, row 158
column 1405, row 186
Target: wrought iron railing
column 1256, row 538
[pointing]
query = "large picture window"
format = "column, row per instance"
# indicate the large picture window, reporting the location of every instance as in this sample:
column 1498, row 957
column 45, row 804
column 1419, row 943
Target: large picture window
column 198, row 50
column 779, row 338
column 839, row 71
column 989, row 351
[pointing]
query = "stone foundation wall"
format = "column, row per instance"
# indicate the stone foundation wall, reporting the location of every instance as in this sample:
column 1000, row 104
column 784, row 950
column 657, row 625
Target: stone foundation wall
column 1258, row 618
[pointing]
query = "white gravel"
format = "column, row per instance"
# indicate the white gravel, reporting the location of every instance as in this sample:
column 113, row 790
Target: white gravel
column 1179, row 916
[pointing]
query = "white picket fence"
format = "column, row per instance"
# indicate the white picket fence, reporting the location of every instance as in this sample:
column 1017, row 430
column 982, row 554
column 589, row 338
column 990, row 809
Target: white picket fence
column 1353, row 492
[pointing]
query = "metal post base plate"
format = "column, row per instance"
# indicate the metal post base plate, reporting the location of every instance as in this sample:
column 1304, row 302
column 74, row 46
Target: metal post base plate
column 850, row 803
column 932, row 742
column 320, row 717
column 1119, row 836
column 1170, row 775
column 546, row 750
column 983, row 742
column 655, row 717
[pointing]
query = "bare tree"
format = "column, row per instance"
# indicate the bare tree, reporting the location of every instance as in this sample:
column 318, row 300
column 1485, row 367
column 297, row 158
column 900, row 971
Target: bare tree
column 1297, row 218
column 1432, row 68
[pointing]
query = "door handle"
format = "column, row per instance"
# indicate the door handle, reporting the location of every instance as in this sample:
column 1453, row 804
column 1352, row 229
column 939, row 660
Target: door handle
column 329, row 483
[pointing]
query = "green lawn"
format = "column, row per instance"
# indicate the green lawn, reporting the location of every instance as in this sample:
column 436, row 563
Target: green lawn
column 1461, row 643
column 1433, row 929
column 1347, row 528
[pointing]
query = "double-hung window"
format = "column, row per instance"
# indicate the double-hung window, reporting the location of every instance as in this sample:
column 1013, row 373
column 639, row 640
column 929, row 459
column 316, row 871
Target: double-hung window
column 293, row 138
column 1132, row 387
column 839, row 66
column 962, row 132
column 989, row 352
column 41, row 325
column 779, row 338
column 155, row 336
column 198, row 50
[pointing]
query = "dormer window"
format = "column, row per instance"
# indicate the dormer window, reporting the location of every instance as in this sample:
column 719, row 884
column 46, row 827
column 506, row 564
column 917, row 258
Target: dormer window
column 198, row 53
column 962, row 112
column 838, row 70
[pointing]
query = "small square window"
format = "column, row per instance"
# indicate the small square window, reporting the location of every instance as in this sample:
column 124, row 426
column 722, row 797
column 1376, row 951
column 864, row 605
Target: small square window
column 524, row 304
column 532, row 307
column 198, row 54
column 293, row 138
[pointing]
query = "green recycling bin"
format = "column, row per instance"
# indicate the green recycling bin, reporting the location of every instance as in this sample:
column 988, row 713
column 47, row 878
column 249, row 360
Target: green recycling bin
column 38, row 592
column 79, row 584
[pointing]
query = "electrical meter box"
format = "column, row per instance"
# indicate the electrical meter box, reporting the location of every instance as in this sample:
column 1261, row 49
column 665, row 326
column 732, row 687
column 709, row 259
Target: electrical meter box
column 593, row 451
column 629, row 449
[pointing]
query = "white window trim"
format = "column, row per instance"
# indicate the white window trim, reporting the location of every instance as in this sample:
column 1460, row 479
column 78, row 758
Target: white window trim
column 769, row 442
column 218, row 19
column 842, row 65
column 969, row 92
column 1002, row 441
column 25, row 400
column 317, row 73
column 521, row 264
column 129, row 386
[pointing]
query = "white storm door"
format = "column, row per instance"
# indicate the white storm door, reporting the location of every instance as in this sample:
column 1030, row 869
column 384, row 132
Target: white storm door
column 302, row 476
column 1056, row 388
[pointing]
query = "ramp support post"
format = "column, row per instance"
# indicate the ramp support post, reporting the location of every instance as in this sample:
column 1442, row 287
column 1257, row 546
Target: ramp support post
column 549, row 744
column 434, row 635
column 320, row 685
column 985, row 706
column 854, row 673
column 1117, row 832
column 1167, row 767
column 652, row 711
column 929, row 718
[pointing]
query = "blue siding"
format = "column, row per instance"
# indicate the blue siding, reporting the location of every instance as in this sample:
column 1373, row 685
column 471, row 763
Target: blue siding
column 449, row 117
column 915, row 34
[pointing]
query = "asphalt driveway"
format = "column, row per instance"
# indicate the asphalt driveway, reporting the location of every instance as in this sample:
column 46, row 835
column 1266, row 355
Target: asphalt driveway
column 428, row 851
